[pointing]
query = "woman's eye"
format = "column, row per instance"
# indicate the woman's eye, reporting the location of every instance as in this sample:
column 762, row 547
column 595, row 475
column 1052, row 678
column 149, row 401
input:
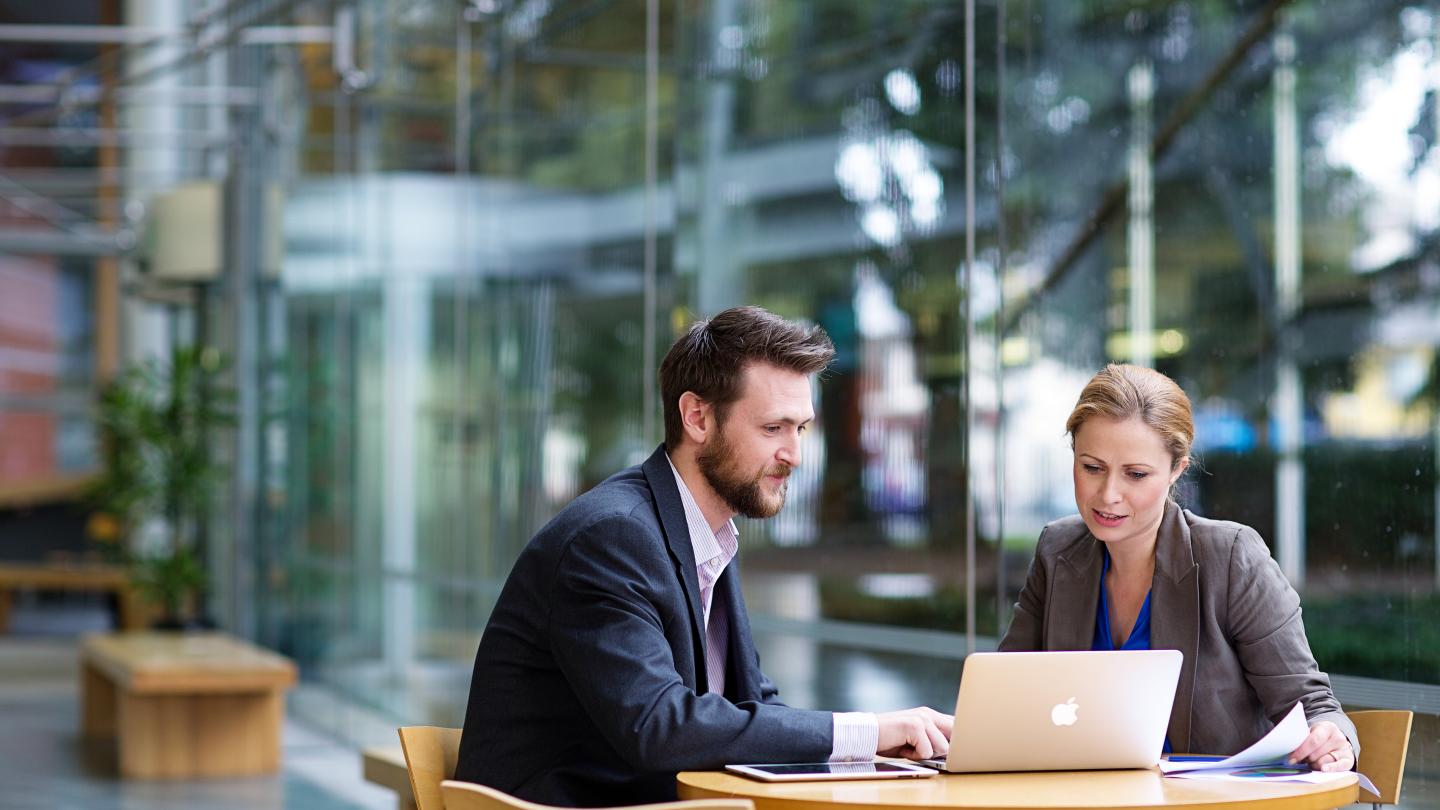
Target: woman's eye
column 1138, row 475
column 1090, row 468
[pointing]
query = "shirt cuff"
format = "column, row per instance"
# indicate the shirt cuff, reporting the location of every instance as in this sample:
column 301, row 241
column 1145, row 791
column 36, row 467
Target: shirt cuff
column 857, row 736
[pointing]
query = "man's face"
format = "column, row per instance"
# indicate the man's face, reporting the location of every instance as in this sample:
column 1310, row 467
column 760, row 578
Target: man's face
column 757, row 442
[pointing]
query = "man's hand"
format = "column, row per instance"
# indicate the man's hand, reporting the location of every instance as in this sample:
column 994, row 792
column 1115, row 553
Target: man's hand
column 1325, row 749
column 920, row 733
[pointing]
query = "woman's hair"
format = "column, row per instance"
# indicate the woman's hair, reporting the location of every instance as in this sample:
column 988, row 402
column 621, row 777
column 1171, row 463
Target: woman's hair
column 1123, row 392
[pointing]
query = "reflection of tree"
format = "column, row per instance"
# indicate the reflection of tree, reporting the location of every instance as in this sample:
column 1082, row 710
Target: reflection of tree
column 598, row 380
column 321, row 477
column 1065, row 116
column 557, row 105
column 1110, row 203
column 843, row 513
column 1217, row 138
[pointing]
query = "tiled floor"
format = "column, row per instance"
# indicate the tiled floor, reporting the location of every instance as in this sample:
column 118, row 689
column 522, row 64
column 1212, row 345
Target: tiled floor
column 45, row 765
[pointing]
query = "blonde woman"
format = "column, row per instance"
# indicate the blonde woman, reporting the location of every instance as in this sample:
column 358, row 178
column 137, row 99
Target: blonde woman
column 1133, row 570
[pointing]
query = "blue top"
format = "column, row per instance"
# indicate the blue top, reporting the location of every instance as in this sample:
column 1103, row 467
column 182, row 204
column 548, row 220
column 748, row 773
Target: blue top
column 1139, row 638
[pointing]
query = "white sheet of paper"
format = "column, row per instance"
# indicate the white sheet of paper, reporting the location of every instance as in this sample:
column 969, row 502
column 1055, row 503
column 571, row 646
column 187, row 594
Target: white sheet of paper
column 1273, row 747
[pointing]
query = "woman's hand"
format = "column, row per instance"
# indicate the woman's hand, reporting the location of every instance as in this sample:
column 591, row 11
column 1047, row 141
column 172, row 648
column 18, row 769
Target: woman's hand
column 1325, row 749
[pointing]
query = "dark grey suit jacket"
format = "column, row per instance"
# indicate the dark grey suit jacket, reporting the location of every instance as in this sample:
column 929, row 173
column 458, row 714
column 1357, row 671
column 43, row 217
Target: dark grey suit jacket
column 589, row 686
column 1217, row 597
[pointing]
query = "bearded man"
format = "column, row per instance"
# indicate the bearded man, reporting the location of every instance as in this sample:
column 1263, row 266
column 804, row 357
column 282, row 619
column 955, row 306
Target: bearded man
column 619, row 651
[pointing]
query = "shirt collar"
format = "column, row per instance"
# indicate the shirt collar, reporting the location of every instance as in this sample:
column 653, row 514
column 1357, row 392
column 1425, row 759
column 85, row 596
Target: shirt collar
column 703, row 539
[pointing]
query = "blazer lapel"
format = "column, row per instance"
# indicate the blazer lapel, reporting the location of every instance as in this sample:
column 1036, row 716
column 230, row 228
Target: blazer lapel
column 741, row 683
column 671, row 510
column 1175, row 614
column 1077, row 583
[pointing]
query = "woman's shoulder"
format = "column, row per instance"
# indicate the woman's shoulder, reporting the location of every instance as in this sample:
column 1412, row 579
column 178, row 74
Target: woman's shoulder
column 1224, row 539
column 1059, row 535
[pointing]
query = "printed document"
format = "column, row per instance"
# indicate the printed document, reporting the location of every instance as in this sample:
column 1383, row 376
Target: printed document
column 1265, row 760
column 1270, row 749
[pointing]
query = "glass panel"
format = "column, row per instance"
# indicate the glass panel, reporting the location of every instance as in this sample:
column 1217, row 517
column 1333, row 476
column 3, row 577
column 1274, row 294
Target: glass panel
column 464, row 308
column 46, row 362
column 825, row 142
column 1254, row 213
column 1244, row 201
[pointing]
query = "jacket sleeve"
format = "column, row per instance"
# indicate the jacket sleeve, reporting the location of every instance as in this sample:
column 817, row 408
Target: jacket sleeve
column 1027, row 625
column 607, row 637
column 769, row 695
column 1268, row 635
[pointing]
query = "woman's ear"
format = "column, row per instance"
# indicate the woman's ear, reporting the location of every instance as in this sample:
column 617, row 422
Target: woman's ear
column 1179, row 470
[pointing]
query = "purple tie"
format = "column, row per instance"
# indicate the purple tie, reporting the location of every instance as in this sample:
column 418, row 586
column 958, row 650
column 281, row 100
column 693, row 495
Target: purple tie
column 717, row 637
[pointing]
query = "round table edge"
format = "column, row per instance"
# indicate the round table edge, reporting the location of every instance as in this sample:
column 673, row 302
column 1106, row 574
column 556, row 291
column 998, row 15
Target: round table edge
column 1325, row 797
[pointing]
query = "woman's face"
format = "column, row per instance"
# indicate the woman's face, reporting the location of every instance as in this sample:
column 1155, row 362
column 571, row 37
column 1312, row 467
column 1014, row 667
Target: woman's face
column 1122, row 475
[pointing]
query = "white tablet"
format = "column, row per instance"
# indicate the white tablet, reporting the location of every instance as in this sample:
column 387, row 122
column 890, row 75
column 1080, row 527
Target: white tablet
column 816, row 771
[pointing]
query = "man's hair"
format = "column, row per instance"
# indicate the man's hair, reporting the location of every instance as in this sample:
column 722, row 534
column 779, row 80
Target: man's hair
column 709, row 360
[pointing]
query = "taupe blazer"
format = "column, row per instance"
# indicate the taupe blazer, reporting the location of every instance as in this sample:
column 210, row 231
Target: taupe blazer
column 1218, row 598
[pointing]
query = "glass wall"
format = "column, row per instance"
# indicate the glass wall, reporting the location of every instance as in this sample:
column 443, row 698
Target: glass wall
column 499, row 214
column 48, row 332
column 47, row 344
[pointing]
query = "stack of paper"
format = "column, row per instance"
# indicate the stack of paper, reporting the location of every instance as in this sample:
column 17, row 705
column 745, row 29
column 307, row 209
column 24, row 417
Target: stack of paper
column 1265, row 760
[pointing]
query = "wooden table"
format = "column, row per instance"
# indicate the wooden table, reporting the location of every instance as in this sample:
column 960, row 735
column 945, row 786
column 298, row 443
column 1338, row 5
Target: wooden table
column 185, row 704
column 1013, row 791
column 384, row 765
column 99, row 577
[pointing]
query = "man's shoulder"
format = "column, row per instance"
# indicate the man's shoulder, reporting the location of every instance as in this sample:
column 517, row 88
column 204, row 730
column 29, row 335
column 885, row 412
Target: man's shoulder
column 620, row 494
column 623, row 498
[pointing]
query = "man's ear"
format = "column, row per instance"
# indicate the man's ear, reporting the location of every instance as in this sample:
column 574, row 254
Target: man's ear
column 696, row 417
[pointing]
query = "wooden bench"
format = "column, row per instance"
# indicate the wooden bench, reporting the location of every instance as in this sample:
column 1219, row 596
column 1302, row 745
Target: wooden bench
column 384, row 765
column 184, row 705
column 72, row 577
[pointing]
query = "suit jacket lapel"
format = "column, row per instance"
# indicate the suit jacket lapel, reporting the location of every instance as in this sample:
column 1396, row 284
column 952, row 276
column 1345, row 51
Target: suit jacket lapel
column 677, row 536
column 1175, row 614
column 1077, row 583
column 741, row 680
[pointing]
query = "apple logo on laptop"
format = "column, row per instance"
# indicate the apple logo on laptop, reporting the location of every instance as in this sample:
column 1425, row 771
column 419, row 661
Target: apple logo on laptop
column 1064, row 713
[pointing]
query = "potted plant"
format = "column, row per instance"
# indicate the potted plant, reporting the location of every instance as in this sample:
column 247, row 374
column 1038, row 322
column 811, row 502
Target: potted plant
column 151, row 501
column 173, row 581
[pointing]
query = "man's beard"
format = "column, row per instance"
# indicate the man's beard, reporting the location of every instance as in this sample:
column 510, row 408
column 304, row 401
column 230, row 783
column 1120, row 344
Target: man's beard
column 743, row 494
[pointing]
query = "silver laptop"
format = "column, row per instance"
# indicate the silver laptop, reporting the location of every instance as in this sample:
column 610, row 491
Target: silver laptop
column 1062, row 711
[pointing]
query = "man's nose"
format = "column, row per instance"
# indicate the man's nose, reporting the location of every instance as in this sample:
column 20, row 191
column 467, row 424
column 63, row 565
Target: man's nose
column 789, row 452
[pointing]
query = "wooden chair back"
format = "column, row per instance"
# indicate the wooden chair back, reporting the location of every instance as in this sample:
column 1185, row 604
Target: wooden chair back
column 469, row 796
column 430, row 755
column 1384, row 742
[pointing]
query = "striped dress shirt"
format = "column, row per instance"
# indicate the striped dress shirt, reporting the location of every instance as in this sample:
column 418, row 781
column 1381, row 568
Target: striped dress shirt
column 856, row 734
